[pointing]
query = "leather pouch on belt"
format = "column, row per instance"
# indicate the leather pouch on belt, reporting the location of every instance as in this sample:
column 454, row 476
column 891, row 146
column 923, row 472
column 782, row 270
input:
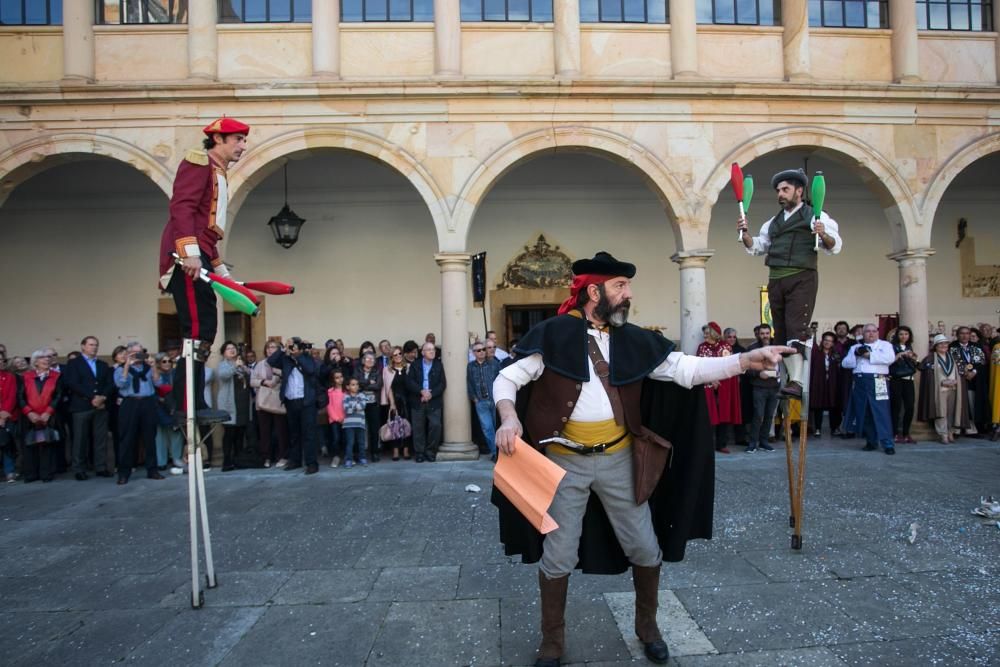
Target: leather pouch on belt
column 651, row 455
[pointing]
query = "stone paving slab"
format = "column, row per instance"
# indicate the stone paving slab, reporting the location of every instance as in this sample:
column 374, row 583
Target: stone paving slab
column 904, row 652
column 335, row 634
column 397, row 564
column 420, row 633
column 327, row 586
column 803, row 657
column 96, row 638
column 197, row 639
column 235, row 589
column 416, row 583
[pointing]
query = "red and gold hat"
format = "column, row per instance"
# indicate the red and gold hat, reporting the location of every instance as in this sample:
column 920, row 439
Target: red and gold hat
column 226, row 126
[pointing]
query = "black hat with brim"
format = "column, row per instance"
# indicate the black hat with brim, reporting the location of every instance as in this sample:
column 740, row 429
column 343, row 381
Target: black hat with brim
column 792, row 176
column 603, row 264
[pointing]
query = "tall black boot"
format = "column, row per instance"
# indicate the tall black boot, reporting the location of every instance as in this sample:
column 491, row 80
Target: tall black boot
column 180, row 386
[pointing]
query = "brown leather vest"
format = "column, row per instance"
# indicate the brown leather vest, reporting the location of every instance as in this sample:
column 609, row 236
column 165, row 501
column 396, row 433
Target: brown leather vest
column 553, row 398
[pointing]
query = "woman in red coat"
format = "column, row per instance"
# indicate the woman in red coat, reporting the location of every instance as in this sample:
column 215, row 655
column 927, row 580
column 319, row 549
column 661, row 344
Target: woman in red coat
column 723, row 397
column 8, row 417
column 37, row 399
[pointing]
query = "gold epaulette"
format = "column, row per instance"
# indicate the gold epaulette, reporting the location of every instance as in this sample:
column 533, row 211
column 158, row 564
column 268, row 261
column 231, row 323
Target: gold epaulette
column 197, row 156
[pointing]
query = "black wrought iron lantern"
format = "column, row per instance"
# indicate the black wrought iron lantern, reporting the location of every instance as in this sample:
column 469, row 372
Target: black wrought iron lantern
column 286, row 225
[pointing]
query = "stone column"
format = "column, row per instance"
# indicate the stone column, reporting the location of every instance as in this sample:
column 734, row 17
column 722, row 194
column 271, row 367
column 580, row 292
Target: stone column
column 566, row 15
column 913, row 294
column 683, row 39
column 795, row 39
column 447, row 38
column 326, row 39
column 203, row 40
column 457, row 445
column 694, row 296
column 78, row 40
column 905, row 54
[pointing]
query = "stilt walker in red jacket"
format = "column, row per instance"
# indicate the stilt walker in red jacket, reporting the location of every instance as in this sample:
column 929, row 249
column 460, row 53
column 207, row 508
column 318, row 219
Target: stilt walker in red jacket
column 197, row 223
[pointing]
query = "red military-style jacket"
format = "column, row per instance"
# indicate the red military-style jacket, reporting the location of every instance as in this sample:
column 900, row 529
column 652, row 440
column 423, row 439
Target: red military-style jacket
column 197, row 216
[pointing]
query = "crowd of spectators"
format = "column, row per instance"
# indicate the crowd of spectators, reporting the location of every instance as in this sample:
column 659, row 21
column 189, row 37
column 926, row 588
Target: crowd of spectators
column 300, row 403
column 296, row 404
column 864, row 385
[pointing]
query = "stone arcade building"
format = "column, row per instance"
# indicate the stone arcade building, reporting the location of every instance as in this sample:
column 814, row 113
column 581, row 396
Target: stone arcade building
column 411, row 143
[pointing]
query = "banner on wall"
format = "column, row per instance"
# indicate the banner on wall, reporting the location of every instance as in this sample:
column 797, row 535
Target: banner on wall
column 765, row 308
column 479, row 279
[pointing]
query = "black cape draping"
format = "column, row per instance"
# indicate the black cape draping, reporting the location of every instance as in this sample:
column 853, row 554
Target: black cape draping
column 682, row 504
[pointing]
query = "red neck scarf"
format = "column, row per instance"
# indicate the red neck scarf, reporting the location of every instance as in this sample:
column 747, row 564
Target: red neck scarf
column 581, row 282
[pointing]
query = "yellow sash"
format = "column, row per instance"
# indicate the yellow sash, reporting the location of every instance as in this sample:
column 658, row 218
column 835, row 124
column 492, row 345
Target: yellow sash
column 593, row 433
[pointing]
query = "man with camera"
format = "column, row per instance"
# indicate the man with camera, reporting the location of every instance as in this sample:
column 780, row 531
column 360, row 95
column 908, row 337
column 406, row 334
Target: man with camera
column 298, row 394
column 136, row 380
column 870, row 360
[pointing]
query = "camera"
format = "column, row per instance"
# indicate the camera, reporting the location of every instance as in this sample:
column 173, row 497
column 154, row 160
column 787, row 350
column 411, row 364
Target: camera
column 862, row 350
column 299, row 344
column 141, row 355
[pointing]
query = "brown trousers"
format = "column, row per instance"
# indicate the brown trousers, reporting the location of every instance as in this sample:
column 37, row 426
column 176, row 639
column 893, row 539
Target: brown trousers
column 792, row 301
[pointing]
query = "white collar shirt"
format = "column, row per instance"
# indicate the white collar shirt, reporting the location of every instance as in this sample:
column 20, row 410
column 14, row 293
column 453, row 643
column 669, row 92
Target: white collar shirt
column 593, row 404
column 878, row 360
column 296, row 386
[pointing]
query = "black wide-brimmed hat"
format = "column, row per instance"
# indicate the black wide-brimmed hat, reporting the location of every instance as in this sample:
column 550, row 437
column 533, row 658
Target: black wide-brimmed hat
column 603, row 264
column 792, row 176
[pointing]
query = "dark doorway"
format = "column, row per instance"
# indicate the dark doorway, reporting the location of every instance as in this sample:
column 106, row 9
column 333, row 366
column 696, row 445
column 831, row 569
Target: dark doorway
column 239, row 329
column 168, row 330
column 519, row 319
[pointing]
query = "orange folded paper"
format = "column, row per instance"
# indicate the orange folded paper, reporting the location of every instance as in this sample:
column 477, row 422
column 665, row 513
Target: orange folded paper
column 529, row 481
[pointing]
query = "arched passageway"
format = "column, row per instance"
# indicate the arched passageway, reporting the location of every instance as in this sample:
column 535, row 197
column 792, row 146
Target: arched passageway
column 81, row 238
column 364, row 264
column 582, row 203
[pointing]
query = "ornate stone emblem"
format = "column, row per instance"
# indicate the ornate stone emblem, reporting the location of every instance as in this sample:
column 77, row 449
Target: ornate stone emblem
column 539, row 266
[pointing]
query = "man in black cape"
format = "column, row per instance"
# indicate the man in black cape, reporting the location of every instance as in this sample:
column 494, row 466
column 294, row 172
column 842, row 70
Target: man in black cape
column 613, row 407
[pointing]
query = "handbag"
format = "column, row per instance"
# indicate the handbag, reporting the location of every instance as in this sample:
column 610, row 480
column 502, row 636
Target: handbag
column 903, row 368
column 396, row 428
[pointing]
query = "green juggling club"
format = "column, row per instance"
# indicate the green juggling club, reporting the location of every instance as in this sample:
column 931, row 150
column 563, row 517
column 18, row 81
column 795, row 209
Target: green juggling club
column 235, row 299
column 818, row 195
column 747, row 193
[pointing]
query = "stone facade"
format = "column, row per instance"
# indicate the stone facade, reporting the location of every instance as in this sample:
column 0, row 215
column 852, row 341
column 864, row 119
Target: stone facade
column 455, row 107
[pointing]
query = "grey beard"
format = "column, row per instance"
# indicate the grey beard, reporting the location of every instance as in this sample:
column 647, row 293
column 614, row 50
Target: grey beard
column 616, row 316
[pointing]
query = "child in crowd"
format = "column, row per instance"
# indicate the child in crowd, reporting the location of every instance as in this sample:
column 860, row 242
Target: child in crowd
column 354, row 423
column 335, row 415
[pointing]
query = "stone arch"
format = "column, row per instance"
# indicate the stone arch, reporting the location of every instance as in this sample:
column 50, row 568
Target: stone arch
column 265, row 158
column 22, row 161
column 952, row 167
column 877, row 172
column 594, row 141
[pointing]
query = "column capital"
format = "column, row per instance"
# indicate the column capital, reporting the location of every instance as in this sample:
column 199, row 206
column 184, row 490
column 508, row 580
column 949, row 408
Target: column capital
column 688, row 259
column 911, row 253
column 453, row 261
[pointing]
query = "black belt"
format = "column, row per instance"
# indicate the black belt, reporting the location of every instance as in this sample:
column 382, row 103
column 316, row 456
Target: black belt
column 583, row 450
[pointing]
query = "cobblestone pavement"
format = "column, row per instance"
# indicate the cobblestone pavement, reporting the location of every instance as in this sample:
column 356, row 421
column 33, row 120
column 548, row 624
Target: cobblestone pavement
column 396, row 564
